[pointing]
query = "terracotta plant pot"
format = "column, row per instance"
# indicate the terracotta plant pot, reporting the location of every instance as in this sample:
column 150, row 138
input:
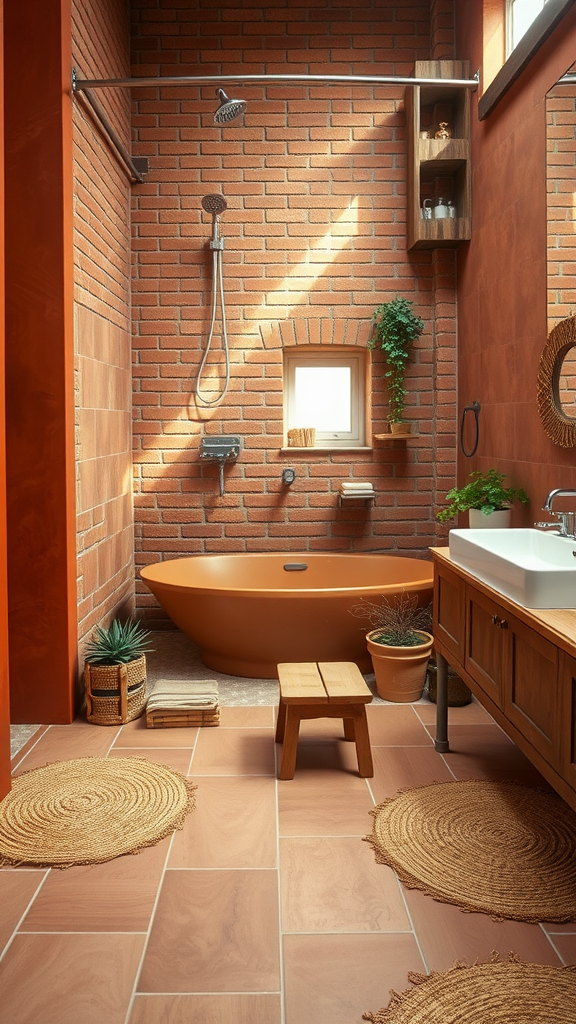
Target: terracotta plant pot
column 499, row 520
column 400, row 671
column 404, row 427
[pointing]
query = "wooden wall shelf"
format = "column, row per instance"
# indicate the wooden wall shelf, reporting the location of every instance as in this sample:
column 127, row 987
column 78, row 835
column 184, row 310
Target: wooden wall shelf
column 394, row 437
column 438, row 167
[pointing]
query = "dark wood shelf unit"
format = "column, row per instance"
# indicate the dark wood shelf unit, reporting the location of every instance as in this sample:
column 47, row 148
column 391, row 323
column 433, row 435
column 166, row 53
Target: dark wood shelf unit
column 438, row 167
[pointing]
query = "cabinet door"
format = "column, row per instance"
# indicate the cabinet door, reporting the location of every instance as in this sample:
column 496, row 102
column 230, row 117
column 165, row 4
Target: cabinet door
column 567, row 724
column 486, row 643
column 449, row 610
column 532, row 692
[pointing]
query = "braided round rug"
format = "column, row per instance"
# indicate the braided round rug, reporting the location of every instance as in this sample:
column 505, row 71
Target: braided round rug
column 90, row 810
column 494, row 847
column 497, row 992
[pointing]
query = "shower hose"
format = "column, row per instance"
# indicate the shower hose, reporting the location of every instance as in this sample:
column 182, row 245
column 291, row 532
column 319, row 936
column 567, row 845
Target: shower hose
column 217, row 245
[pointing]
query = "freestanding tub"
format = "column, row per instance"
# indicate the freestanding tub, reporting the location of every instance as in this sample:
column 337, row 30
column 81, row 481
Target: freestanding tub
column 247, row 612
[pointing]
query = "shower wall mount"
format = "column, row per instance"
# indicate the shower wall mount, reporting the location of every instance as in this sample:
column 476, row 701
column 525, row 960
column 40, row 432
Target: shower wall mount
column 221, row 449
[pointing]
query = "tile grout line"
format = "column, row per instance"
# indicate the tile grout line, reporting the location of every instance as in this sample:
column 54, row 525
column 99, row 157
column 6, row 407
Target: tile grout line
column 16, row 930
column 552, row 943
column 147, row 934
column 280, row 929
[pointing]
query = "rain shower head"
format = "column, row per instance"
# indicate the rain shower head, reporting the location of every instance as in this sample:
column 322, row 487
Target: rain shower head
column 229, row 109
column 214, row 204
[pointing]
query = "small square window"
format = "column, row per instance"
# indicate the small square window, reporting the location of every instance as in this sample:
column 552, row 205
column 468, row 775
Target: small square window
column 326, row 390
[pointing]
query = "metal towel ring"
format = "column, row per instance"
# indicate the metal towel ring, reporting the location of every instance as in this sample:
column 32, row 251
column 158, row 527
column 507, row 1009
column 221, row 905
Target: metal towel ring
column 475, row 408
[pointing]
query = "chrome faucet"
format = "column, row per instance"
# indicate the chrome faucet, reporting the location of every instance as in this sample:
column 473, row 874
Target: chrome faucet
column 566, row 524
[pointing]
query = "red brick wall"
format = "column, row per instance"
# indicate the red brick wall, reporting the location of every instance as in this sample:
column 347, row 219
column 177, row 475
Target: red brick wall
column 102, row 324
column 561, row 202
column 315, row 181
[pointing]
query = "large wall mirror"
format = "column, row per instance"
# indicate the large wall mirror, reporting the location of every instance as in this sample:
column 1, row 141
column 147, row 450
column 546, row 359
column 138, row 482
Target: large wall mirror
column 557, row 375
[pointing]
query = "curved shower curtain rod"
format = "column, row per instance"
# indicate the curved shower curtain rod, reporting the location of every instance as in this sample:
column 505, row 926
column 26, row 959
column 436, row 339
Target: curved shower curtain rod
column 79, row 84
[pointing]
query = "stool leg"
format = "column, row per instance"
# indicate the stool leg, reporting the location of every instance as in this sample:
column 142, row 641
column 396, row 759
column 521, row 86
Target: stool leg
column 289, row 750
column 349, row 730
column 363, row 752
column 281, row 722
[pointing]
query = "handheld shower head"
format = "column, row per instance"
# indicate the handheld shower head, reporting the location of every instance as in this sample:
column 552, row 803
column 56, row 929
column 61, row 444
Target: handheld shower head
column 229, row 109
column 214, row 204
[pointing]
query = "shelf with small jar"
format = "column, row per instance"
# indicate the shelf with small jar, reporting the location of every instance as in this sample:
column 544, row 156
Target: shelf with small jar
column 439, row 173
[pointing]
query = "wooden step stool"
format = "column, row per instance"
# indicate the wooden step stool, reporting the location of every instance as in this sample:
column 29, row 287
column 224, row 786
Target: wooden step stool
column 329, row 689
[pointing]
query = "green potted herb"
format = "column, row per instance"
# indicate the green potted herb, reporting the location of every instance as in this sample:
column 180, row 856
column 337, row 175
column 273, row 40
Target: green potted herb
column 399, row 643
column 115, row 673
column 485, row 498
column 395, row 328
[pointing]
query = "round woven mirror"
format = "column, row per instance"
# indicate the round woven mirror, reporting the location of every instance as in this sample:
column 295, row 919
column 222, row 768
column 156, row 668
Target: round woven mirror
column 555, row 404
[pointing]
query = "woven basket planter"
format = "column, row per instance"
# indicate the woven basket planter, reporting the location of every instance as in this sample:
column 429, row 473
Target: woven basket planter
column 115, row 693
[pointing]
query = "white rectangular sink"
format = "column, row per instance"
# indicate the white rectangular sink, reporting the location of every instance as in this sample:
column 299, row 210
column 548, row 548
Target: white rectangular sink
column 533, row 568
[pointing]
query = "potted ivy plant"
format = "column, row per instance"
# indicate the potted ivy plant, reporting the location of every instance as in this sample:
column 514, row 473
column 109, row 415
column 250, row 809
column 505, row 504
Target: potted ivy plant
column 115, row 673
column 485, row 498
column 399, row 643
column 395, row 328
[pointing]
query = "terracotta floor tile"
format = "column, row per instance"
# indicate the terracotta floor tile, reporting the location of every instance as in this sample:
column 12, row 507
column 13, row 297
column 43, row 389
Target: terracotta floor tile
column 214, row 931
column 69, row 979
column 247, row 718
column 234, row 752
column 566, row 946
column 67, row 742
column 136, row 734
column 320, row 803
column 335, row 753
column 470, row 714
column 212, row 1009
column 403, row 767
column 15, row 761
column 233, row 825
column 447, row 934
column 395, row 726
column 114, row 897
column 178, row 758
column 16, row 890
column 481, row 751
column 562, row 929
column 334, row 979
column 334, row 885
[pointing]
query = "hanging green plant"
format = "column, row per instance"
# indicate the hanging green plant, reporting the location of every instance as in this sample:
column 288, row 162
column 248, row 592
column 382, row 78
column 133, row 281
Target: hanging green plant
column 395, row 328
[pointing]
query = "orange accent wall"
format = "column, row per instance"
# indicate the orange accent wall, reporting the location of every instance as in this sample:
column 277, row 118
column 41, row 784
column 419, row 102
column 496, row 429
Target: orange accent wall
column 39, row 362
column 502, row 305
column 4, row 692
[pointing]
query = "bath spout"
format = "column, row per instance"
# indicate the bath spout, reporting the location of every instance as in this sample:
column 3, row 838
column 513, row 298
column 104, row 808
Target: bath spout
column 220, row 450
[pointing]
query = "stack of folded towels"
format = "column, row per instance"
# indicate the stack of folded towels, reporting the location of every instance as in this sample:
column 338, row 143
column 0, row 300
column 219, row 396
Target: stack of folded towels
column 178, row 702
column 355, row 489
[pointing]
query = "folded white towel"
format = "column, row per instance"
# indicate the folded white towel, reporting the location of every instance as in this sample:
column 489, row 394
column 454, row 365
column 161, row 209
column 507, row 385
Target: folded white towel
column 184, row 693
column 353, row 485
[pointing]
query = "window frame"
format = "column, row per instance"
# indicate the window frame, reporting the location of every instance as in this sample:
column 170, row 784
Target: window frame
column 358, row 361
column 541, row 28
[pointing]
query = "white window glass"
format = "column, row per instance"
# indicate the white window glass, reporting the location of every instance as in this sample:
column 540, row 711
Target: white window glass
column 521, row 14
column 326, row 392
column 322, row 398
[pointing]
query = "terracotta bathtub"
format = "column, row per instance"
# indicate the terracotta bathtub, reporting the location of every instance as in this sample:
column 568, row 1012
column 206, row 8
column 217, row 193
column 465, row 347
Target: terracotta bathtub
column 248, row 612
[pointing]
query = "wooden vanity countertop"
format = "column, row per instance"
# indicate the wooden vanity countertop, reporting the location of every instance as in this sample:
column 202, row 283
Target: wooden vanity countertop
column 557, row 624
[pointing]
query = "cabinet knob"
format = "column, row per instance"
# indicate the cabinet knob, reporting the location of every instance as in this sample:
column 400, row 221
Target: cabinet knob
column 497, row 621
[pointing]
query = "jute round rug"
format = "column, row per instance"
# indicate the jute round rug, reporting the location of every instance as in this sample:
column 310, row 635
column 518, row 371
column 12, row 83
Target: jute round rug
column 91, row 810
column 497, row 992
column 494, row 847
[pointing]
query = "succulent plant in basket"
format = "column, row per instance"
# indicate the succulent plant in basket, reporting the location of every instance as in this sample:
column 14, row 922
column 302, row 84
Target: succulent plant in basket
column 399, row 643
column 115, row 673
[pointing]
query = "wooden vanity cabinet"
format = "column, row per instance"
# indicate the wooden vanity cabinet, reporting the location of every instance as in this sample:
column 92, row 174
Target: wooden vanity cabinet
column 515, row 665
column 568, row 718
